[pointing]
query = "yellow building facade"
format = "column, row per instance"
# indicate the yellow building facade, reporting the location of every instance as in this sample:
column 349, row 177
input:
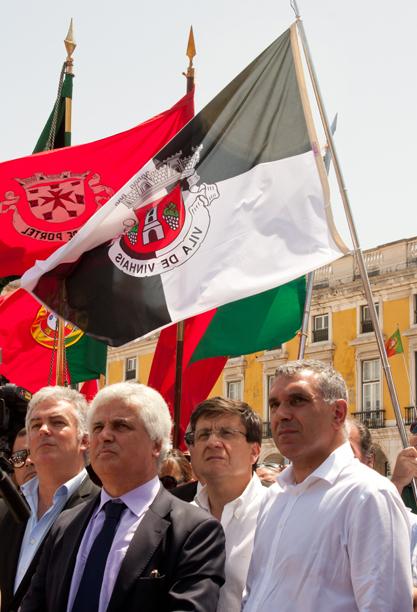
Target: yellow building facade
column 340, row 332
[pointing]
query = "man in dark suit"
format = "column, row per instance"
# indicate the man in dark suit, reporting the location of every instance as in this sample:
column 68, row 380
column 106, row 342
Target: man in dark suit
column 135, row 546
column 57, row 440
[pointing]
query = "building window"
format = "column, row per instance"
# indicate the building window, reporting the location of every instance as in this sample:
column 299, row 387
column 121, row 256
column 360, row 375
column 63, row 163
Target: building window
column 415, row 309
column 371, row 385
column 366, row 323
column 234, row 389
column 269, row 381
column 130, row 368
column 321, row 328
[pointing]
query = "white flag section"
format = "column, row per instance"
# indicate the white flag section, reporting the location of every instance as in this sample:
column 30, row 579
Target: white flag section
column 236, row 204
column 265, row 229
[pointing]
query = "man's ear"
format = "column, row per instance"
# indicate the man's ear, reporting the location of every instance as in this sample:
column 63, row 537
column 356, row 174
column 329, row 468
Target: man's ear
column 85, row 442
column 255, row 452
column 156, row 450
column 339, row 413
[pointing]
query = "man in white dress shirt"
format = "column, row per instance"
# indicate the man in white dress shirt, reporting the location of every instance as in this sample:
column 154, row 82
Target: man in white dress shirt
column 225, row 442
column 332, row 534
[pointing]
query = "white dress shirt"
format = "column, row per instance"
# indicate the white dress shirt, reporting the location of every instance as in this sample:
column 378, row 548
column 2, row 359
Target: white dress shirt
column 337, row 542
column 239, row 522
column 137, row 501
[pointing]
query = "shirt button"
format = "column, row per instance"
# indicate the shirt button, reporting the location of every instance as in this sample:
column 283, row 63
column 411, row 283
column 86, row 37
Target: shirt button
column 32, row 541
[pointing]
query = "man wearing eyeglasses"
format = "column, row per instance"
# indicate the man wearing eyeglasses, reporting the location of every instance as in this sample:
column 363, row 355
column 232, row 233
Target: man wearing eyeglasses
column 22, row 464
column 331, row 529
column 57, row 441
column 225, row 443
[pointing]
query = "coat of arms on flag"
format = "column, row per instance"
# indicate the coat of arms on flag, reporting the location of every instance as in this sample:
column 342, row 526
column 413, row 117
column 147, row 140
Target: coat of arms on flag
column 52, row 208
column 165, row 233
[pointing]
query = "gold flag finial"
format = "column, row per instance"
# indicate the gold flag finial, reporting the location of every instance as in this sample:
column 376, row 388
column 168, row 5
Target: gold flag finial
column 191, row 53
column 70, row 45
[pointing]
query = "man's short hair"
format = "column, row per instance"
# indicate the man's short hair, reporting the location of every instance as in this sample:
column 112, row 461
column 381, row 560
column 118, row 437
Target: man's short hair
column 219, row 406
column 330, row 382
column 73, row 397
column 149, row 405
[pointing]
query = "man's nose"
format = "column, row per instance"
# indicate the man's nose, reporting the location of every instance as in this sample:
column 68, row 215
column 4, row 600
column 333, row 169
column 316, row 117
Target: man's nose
column 44, row 429
column 106, row 433
column 214, row 438
column 283, row 411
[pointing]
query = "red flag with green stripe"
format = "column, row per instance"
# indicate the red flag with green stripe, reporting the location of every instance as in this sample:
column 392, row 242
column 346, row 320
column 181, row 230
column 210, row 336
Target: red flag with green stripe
column 260, row 322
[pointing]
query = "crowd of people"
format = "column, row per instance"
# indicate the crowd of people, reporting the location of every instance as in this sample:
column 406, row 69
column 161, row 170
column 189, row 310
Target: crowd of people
column 121, row 521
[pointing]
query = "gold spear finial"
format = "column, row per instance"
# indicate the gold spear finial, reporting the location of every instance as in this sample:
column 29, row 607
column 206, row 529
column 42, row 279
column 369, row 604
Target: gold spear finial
column 190, row 53
column 70, row 45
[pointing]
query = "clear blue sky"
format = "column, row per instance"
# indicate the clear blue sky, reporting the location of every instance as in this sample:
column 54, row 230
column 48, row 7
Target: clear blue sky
column 130, row 56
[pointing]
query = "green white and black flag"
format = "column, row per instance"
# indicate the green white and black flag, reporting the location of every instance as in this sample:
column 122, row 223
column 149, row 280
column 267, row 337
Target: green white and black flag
column 237, row 203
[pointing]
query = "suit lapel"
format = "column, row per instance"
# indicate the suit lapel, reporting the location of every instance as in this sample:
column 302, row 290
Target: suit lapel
column 147, row 538
column 72, row 536
column 84, row 491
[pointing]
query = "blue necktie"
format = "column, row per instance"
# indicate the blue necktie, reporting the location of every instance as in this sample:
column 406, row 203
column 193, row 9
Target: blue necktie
column 88, row 594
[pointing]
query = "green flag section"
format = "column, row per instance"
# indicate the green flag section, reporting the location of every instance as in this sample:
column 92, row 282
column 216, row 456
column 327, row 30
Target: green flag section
column 394, row 344
column 257, row 323
column 27, row 338
column 237, row 203
column 261, row 322
column 57, row 133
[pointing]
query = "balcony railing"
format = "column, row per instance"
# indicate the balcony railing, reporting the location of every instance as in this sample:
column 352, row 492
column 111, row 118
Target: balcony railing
column 374, row 419
column 409, row 415
column 266, row 430
column 320, row 335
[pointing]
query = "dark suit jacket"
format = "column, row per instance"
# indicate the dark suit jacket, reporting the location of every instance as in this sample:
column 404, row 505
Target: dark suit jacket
column 186, row 492
column 11, row 536
column 180, row 543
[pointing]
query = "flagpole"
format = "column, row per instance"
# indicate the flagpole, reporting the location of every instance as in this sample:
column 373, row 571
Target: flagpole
column 189, row 75
column 357, row 250
column 69, row 42
column 70, row 45
column 310, row 276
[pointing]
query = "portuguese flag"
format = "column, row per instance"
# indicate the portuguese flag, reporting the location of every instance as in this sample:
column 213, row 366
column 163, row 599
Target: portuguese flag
column 236, row 204
column 260, row 322
column 27, row 332
column 394, row 344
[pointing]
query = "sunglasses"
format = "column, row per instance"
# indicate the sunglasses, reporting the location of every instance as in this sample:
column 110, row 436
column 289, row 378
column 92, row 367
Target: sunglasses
column 413, row 427
column 18, row 459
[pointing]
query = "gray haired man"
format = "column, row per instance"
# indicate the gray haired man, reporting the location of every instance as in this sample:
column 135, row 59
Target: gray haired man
column 331, row 530
column 57, row 440
column 135, row 546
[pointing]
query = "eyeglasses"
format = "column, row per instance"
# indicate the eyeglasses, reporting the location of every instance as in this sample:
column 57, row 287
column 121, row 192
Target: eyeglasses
column 413, row 427
column 18, row 458
column 226, row 434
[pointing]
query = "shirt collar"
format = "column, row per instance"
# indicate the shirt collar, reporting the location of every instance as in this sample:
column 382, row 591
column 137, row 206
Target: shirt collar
column 236, row 504
column 137, row 499
column 30, row 489
column 329, row 470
